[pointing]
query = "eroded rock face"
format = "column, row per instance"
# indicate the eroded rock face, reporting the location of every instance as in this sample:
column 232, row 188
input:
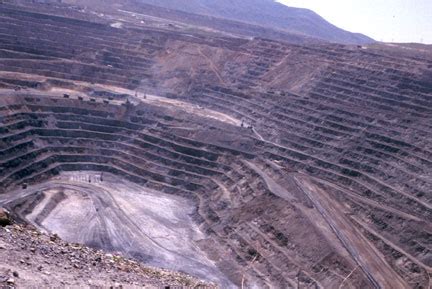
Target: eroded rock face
column 5, row 219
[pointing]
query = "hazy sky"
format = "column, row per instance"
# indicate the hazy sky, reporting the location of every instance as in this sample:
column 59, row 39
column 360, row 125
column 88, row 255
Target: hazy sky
column 383, row 20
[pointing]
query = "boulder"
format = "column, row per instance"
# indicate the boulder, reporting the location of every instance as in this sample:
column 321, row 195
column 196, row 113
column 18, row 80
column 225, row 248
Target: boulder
column 5, row 219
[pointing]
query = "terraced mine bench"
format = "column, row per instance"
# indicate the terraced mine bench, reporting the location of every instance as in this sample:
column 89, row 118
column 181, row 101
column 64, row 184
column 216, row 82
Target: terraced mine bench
column 329, row 183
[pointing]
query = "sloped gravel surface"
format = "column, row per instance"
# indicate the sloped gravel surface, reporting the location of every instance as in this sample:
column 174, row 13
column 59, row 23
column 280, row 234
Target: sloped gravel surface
column 30, row 259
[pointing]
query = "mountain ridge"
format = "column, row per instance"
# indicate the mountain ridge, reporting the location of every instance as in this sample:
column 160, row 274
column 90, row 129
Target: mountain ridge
column 267, row 13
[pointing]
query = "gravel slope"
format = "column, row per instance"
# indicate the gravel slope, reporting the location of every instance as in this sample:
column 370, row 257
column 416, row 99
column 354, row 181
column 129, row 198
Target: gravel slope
column 30, row 259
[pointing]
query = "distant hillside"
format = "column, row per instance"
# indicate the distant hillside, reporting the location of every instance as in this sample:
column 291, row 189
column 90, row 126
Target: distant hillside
column 267, row 13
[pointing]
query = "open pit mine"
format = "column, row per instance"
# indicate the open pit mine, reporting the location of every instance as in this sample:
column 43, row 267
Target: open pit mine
column 243, row 161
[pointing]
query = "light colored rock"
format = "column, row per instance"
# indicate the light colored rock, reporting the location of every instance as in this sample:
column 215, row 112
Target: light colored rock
column 10, row 281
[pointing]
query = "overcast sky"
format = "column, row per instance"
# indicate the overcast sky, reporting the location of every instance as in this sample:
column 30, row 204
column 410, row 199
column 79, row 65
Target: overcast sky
column 383, row 20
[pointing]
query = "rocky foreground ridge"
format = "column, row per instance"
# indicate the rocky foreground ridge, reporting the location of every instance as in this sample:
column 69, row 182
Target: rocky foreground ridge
column 31, row 259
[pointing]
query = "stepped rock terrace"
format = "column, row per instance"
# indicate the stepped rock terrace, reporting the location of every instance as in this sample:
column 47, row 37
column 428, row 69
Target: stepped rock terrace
column 242, row 161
